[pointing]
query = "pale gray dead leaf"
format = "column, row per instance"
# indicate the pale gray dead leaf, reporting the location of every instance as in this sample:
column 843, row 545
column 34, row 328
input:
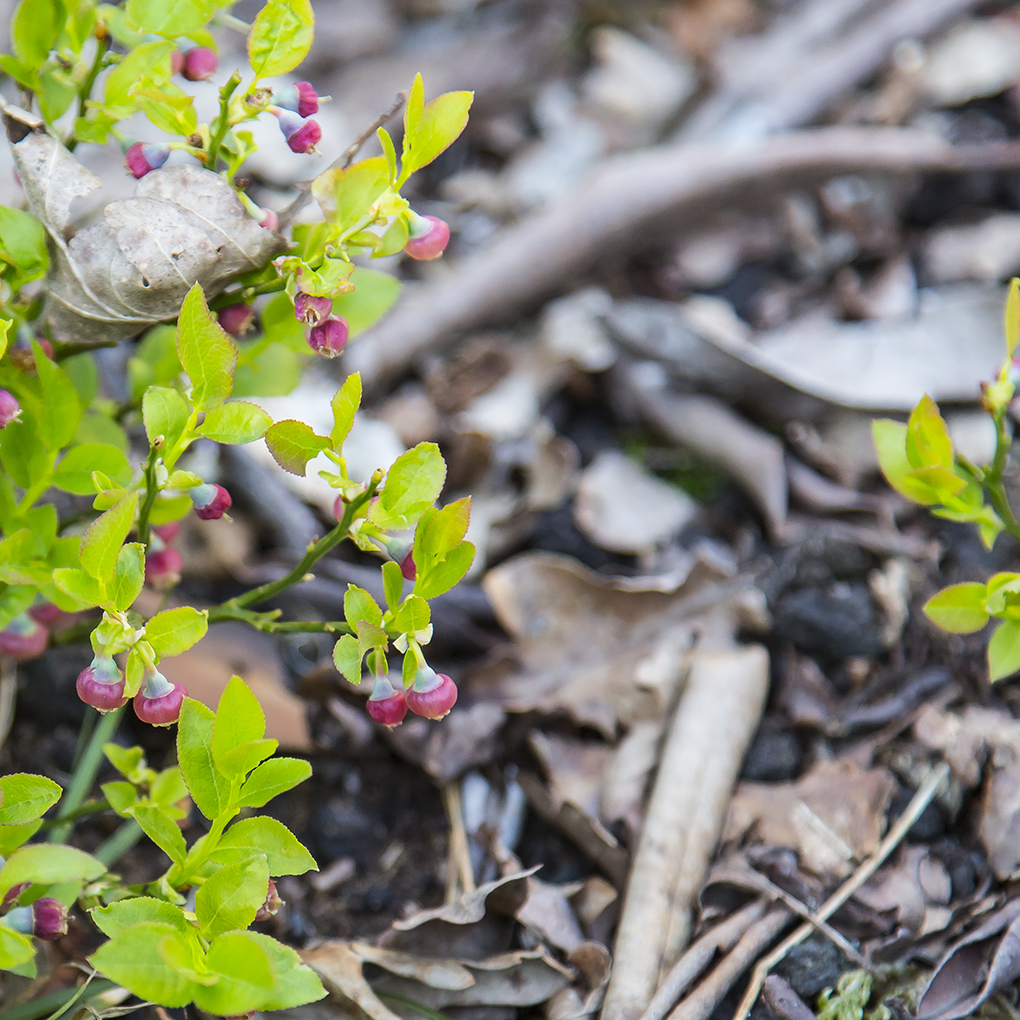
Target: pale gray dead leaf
column 340, row 970
column 437, row 973
column 504, row 895
column 184, row 225
column 548, row 913
column 594, row 964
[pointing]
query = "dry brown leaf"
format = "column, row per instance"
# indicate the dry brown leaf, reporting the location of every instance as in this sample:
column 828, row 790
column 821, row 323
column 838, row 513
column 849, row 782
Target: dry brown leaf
column 184, row 225
column 587, row 645
column 340, row 969
column 833, row 816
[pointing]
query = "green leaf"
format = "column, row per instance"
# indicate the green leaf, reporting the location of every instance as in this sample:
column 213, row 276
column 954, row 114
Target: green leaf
column 126, row 760
column 1003, row 653
column 431, row 129
column 359, row 605
column 1011, row 315
column 345, row 404
column 346, row 195
column 168, row 107
column 412, row 485
column 245, row 976
column 170, row 17
column 134, row 960
column 210, row 789
column 22, row 453
column 959, row 608
column 293, row 444
column 165, row 414
column 890, row 438
column 47, row 863
column 295, row 982
column 101, row 545
column 206, row 352
column 928, row 443
column 262, row 835
column 74, row 472
column 393, row 583
column 231, row 897
column 12, row 836
column 15, row 948
column 445, row 573
column 168, row 787
column 79, row 586
column 26, row 797
column 373, row 295
column 235, row 422
column 274, row 372
column 176, row 630
column 128, row 576
column 280, row 37
column 413, row 616
column 271, row 778
column 347, row 657
column 23, row 245
column 155, row 361
column 119, row 916
column 34, row 30
column 121, row 796
column 162, row 830
column 61, row 409
column 240, row 723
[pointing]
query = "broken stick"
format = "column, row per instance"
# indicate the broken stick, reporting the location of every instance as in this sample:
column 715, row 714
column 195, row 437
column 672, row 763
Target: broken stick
column 714, row 722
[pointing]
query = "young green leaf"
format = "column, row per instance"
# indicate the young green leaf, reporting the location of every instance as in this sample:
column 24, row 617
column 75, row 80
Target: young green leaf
column 280, row 38
column 161, row 829
column 15, row 949
column 295, row 982
column 373, row 295
column 22, row 453
column 165, row 414
column 13, row 836
column 170, row 17
column 393, row 583
column 959, row 608
column 26, row 797
column 167, row 106
column 431, row 128
column 121, row 796
column 245, row 977
column 210, row 789
column 413, row 616
column 445, row 573
column 101, row 545
column 126, row 760
column 206, row 352
column 890, row 438
column 345, row 404
column 359, row 605
column 62, row 410
column 128, row 576
column 120, row 916
column 293, row 444
column 22, row 246
column 235, row 422
column 47, row 863
column 237, row 743
column 34, row 30
column 1011, row 315
column 1003, row 653
column 231, row 897
column 346, row 195
column 928, row 442
column 74, row 472
column 413, row 484
column 136, row 960
column 271, row 778
column 253, row 836
column 176, row 630
column 347, row 658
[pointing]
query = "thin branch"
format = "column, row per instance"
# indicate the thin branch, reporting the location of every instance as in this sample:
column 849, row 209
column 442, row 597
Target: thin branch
column 894, row 837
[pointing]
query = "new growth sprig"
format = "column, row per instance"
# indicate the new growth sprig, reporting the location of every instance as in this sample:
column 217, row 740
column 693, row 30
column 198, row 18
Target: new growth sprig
column 228, row 306
column 919, row 460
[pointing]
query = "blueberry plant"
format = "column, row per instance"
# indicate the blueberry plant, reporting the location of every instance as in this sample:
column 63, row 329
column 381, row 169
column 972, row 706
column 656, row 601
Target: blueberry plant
column 222, row 300
column 919, row 461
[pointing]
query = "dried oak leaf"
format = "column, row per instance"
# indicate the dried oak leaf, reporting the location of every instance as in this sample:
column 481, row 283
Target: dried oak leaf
column 135, row 265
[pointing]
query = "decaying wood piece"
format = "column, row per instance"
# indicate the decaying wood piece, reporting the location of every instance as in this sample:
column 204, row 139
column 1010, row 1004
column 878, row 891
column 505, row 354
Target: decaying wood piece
column 715, row 720
column 619, row 207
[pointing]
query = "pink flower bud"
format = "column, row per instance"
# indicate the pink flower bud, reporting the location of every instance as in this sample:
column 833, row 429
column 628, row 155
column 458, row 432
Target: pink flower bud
column 408, row 568
column 386, row 705
column 101, row 685
column 163, row 568
column 272, row 905
column 10, row 409
column 12, row 895
column 211, row 501
column 45, row 613
column 49, row 919
column 269, row 221
column 429, row 241
column 432, row 695
column 311, row 309
column 168, row 532
column 200, row 64
column 330, row 337
column 236, row 319
column 159, row 701
column 143, row 157
column 176, row 62
column 300, row 97
column 339, row 506
column 302, row 135
column 23, row 638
